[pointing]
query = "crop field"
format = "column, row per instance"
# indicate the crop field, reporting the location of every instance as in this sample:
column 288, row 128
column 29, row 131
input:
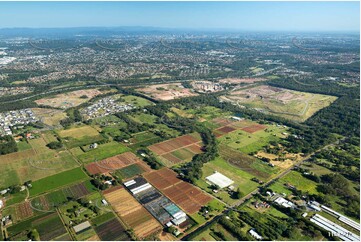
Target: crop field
column 70, row 99
column 166, row 91
column 41, row 223
column 19, row 211
column 241, row 178
column 103, row 151
column 113, row 163
column 252, row 142
column 58, row 180
column 247, row 163
column 177, row 150
column 294, row 105
column 79, row 136
column 131, row 212
column 185, row 195
column 132, row 170
column 33, row 163
column 54, row 199
column 112, row 230
column 49, row 117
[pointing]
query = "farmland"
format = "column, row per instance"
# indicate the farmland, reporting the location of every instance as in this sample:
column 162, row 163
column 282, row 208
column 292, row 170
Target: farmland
column 185, row 195
column 101, row 152
column 34, row 163
column 177, row 150
column 56, row 181
column 132, row 213
column 41, row 223
column 294, row 105
column 79, row 136
column 241, row 178
column 166, row 91
column 114, row 163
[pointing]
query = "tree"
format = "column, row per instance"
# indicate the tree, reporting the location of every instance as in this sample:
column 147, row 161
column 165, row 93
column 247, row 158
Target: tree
column 55, row 145
column 34, row 235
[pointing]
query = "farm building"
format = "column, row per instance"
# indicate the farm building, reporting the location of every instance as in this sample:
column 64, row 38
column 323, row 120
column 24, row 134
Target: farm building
column 284, row 203
column 255, row 234
column 178, row 215
column 81, row 227
column 334, row 229
column 219, row 179
column 137, row 185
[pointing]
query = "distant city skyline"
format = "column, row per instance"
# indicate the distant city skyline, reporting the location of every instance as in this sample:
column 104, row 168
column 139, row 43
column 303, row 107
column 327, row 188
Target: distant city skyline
column 248, row 16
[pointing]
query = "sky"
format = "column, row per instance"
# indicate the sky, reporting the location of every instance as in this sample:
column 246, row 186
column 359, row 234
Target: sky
column 249, row 16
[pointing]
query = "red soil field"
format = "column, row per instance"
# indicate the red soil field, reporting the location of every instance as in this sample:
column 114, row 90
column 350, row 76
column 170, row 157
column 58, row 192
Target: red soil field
column 112, row 163
column 187, row 196
column 254, row 128
column 24, row 210
column 173, row 144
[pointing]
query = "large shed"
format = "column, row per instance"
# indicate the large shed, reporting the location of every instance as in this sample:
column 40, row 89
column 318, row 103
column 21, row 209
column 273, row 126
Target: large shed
column 219, row 179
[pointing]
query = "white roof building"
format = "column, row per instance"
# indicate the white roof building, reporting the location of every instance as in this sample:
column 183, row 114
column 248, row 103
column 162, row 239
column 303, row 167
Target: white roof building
column 285, row 203
column 219, row 179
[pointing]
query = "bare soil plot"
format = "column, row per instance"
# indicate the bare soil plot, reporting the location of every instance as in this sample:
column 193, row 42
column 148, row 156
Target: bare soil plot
column 167, row 91
column 132, row 212
column 254, row 128
column 70, row 99
column 283, row 102
column 240, row 80
column 113, row 163
column 187, row 196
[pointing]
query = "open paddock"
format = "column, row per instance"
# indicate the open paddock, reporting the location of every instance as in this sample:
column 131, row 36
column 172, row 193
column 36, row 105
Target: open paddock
column 254, row 128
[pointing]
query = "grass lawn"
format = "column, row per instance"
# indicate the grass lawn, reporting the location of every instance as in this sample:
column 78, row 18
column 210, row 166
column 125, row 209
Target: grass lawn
column 247, row 142
column 55, row 181
column 241, row 178
column 101, row 152
column 23, row 145
column 137, row 101
column 301, row 183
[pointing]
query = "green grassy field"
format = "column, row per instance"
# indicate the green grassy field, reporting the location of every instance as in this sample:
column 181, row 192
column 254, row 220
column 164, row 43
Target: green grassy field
column 101, row 152
column 79, row 136
column 301, row 183
column 247, row 142
column 241, row 178
column 23, row 145
column 137, row 101
column 144, row 118
column 207, row 112
column 55, row 181
column 33, row 164
column 129, row 171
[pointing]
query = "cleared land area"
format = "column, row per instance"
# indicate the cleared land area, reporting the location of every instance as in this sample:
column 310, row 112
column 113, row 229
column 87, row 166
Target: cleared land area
column 166, row 91
column 114, row 163
column 103, row 151
column 48, row 116
column 241, row 80
column 79, row 136
column 131, row 212
column 177, row 150
column 112, row 230
column 55, row 181
column 33, row 163
column 185, row 195
column 295, row 105
column 70, row 99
